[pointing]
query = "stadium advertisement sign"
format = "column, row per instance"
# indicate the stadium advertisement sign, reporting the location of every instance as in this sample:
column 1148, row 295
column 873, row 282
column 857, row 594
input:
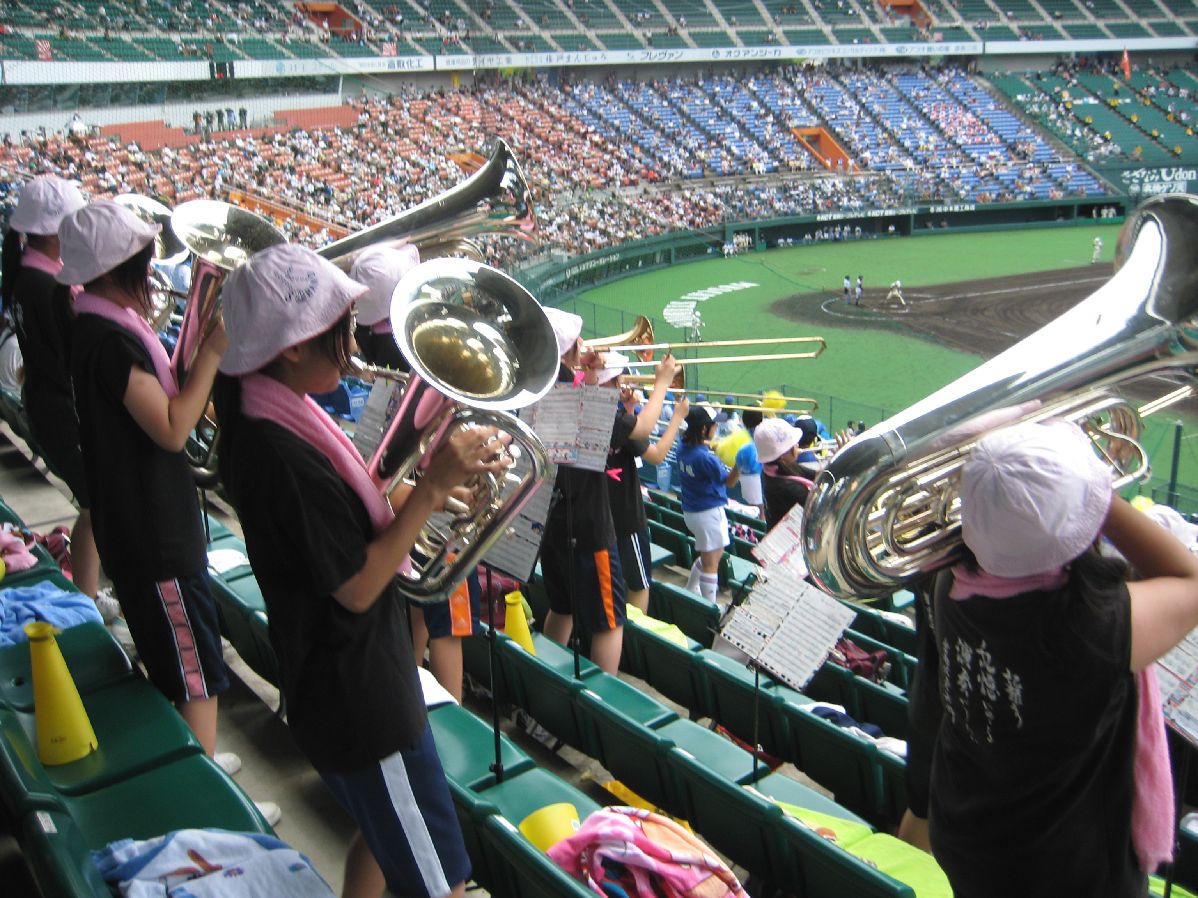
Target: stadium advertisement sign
column 33, row 71
column 1154, row 181
column 703, row 54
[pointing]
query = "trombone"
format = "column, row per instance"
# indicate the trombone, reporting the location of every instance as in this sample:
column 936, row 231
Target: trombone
column 639, row 338
column 820, row 345
column 811, row 404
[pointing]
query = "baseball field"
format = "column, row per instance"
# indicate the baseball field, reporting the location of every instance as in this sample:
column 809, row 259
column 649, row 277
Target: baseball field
column 968, row 297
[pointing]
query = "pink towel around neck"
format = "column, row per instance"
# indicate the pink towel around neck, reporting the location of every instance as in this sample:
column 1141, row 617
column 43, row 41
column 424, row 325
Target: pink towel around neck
column 1152, row 778
column 38, row 260
column 127, row 318
column 264, row 397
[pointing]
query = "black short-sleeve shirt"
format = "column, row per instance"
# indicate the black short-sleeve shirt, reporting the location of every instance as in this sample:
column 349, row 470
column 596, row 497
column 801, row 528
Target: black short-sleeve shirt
column 353, row 693
column 781, row 492
column 43, row 322
column 1031, row 786
column 143, row 499
column 380, row 349
column 627, row 506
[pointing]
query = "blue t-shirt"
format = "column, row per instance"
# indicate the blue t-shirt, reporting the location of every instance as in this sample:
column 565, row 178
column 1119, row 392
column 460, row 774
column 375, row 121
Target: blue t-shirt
column 703, row 476
column 746, row 459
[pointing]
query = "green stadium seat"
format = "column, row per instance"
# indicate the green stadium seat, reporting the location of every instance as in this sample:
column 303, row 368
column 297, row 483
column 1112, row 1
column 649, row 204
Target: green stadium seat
column 524, row 871
column 894, row 786
column 58, row 858
column 472, row 812
column 884, row 705
column 670, row 668
column 93, row 657
column 733, row 820
column 136, row 730
column 837, row 685
column 843, row 763
column 820, row 869
column 544, row 690
column 676, row 541
column 780, row 787
column 518, row 796
column 634, row 754
column 694, row 615
column 734, row 702
column 466, row 747
column 659, row 556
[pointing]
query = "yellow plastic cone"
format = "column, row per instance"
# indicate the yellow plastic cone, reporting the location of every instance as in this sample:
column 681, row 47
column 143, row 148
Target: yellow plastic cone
column 515, row 622
column 64, row 732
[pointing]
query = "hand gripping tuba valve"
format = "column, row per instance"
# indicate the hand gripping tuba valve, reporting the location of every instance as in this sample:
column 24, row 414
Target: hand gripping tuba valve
column 886, row 511
column 480, row 346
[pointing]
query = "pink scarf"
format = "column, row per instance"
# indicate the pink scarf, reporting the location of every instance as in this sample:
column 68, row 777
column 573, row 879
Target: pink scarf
column 1152, row 821
column 127, row 318
column 36, row 259
column 265, row 398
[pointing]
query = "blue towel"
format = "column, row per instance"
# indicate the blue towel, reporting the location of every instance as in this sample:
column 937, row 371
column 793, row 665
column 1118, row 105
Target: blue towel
column 206, row 863
column 21, row 605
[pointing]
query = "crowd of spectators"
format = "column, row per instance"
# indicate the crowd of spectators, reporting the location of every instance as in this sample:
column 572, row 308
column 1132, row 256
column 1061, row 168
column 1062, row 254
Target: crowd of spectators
column 591, row 190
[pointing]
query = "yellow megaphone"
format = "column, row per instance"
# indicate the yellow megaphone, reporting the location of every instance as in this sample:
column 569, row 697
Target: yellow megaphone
column 64, row 732
column 515, row 621
column 547, row 826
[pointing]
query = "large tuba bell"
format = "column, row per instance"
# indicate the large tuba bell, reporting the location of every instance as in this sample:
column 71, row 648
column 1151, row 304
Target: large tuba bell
column 885, row 510
column 479, row 345
column 220, row 237
column 495, row 199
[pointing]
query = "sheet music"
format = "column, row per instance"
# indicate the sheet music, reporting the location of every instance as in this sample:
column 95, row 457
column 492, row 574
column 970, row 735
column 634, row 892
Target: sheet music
column 574, row 424
column 554, row 419
column 516, row 551
column 788, row 626
column 1177, row 673
column 783, row 545
column 378, row 412
column 597, row 415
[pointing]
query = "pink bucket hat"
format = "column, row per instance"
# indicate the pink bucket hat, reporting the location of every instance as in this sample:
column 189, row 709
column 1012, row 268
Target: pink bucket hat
column 774, row 438
column 97, row 238
column 567, row 327
column 44, row 203
column 380, row 269
column 282, row 296
column 1033, row 497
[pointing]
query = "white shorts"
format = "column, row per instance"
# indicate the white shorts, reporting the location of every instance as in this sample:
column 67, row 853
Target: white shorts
column 709, row 527
column 750, row 489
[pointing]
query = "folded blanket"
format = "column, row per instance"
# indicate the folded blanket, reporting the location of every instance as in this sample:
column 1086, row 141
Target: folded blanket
column 639, row 853
column 20, row 605
column 195, row 863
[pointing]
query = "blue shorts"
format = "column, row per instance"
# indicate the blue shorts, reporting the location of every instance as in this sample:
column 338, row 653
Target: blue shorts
column 176, row 629
column 457, row 615
column 403, row 809
column 635, row 559
column 596, row 579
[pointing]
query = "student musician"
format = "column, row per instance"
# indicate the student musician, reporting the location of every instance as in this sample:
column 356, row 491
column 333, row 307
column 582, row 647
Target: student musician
column 325, row 545
column 705, row 482
column 42, row 318
column 630, row 442
column 134, row 421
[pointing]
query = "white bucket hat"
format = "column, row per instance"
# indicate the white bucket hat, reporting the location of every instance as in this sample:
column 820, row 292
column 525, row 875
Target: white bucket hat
column 1033, row 497
column 44, row 203
column 774, row 438
column 97, row 238
column 380, row 269
column 567, row 327
column 282, row 296
column 614, row 364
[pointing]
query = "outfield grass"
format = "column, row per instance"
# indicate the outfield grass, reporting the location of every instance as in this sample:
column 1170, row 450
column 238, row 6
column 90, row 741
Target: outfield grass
column 868, row 370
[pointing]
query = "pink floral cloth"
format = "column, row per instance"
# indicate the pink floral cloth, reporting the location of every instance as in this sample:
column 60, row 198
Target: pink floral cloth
column 646, row 855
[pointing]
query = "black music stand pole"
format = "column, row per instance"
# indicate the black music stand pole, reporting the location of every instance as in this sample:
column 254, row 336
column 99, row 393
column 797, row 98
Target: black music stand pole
column 492, row 640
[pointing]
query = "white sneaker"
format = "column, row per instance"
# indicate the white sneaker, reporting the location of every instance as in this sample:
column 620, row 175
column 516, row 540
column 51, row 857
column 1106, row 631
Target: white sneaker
column 228, row 762
column 107, row 605
column 271, row 811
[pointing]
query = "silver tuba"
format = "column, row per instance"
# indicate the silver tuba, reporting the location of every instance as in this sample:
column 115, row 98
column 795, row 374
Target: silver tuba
column 221, row 237
column 480, row 346
column 886, row 510
column 496, row 199
column 169, row 253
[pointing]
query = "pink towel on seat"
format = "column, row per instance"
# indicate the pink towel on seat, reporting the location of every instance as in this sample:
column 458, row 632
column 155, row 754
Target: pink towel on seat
column 646, row 855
